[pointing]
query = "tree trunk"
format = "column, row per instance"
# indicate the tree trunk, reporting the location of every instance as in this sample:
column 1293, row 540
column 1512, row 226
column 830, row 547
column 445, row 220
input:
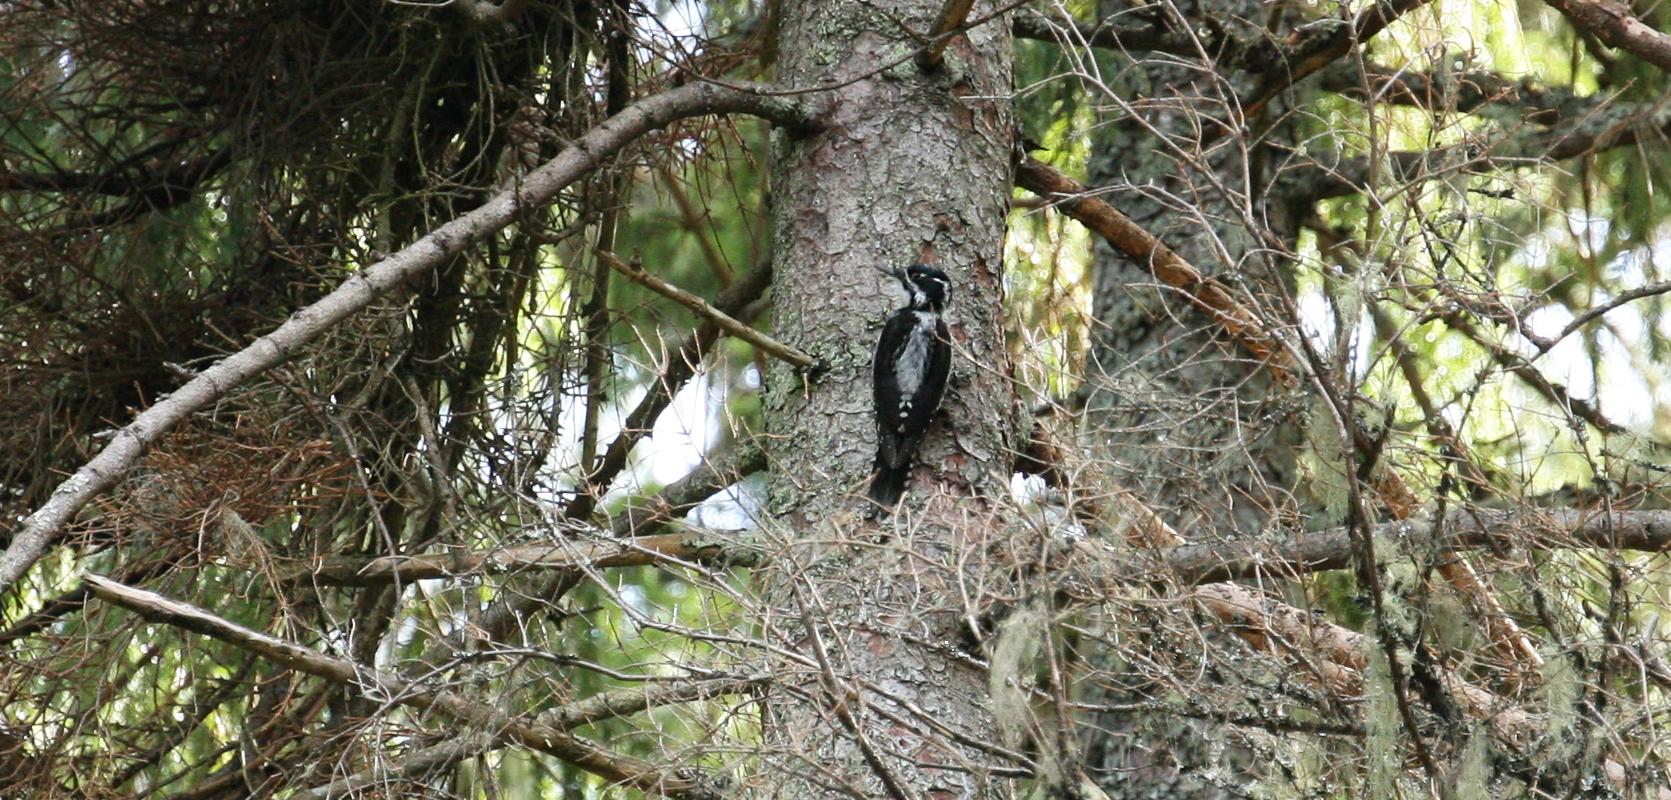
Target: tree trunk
column 912, row 165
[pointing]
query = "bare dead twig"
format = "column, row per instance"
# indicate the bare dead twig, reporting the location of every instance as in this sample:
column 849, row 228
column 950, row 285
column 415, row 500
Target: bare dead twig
column 1462, row 529
column 702, row 309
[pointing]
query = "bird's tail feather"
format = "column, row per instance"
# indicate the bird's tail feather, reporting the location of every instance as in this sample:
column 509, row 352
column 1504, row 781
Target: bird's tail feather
column 888, row 485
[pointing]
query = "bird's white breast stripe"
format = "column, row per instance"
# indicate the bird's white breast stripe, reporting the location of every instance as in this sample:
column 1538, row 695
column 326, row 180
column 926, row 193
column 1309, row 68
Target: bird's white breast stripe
column 913, row 358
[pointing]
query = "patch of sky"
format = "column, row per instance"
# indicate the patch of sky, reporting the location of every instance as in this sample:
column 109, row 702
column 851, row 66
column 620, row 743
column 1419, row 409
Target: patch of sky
column 1630, row 268
column 737, row 508
column 680, row 438
column 683, row 433
column 1317, row 319
column 1591, row 230
column 1627, row 392
column 1659, row 254
column 1317, row 322
column 1567, row 363
column 677, row 27
column 1535, row 252
column 632, row 596
column 1625, row 395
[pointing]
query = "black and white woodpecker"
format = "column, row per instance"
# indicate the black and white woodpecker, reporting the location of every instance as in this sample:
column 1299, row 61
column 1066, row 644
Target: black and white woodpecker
column 908, row 376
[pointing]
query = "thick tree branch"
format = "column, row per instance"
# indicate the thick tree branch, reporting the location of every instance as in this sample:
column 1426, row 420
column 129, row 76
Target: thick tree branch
column 1464, row 529
column 388, row 687
column 561, row 554
column 1616, row 25
column 166, row 189
column 1601, row 126
column 1307, row 50
column 119, row 181
column 951, row 16
column 116, row 182
column 641, row 518
column 1129, row 238
column 1313, row 47
column 632, row 700
column 1151, row 34
column 1461, row 92
column 536, row 188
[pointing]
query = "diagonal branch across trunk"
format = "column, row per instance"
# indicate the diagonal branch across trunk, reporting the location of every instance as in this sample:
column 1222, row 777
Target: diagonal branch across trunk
column 534, row 189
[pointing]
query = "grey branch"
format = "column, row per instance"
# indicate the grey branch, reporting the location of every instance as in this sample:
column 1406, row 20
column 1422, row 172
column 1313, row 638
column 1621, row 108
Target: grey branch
column 1459, row 91
column 534, row 189
column 1463, row 529
column 386, row 686
column 560, row 555
column 1553, row 529
column 706, row 311
column 1149, row 34
column 606, row 705
column 641, row 518
column 1600, row 126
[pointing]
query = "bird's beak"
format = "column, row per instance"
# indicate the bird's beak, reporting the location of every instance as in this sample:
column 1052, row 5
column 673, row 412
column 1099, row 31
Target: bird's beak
column 892, row 272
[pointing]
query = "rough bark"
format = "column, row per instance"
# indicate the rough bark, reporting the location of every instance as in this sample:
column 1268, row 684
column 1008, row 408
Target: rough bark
column 913, row 165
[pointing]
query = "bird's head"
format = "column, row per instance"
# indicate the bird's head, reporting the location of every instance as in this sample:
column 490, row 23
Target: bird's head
column 929, row 288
